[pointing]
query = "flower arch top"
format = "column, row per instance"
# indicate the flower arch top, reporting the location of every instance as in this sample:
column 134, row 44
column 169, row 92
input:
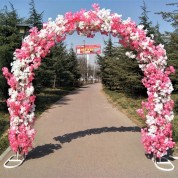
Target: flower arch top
column 151, row 58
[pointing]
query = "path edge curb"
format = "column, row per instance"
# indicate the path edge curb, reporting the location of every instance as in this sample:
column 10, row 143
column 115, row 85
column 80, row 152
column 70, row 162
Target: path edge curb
column 5, row 153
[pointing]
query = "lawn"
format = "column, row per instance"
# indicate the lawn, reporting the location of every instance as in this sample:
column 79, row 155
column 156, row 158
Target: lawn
column 129, row 105
column 43, row 101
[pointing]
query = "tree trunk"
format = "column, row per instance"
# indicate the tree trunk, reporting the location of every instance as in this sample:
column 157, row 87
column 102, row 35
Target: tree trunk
column 54, row 82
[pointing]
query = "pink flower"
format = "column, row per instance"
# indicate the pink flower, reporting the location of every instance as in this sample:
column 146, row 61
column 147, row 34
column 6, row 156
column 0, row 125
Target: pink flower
column 156, row 138
column 96, row 7
column 5, row 72
column 141, row 113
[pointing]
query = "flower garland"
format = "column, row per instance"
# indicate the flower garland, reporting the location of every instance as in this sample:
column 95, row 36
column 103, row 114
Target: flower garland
column 156, row 137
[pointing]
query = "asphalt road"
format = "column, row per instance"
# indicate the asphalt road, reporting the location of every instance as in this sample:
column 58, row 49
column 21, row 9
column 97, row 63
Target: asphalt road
column 84, row 136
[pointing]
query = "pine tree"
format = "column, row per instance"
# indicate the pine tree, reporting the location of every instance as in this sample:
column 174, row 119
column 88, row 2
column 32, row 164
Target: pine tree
column 35, row 19
column 9, row 41
column 108, row 63
column 109, row 49
column 172, row 41
column 59, row 58
column 50, row 71
column 144, row 20
column 73, row 67
column 118, row 72
column 171, row 17
column 82, row 68
column 151, row 30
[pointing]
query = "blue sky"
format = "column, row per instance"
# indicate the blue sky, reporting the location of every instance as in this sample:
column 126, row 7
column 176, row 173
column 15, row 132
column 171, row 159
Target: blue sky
column 128, row 8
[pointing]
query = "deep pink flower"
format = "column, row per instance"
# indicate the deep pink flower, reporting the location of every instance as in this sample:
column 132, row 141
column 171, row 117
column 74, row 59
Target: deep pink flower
column 157, row 137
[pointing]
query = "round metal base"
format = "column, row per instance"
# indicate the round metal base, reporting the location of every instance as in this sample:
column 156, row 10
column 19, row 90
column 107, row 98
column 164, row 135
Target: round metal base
column 14, row 161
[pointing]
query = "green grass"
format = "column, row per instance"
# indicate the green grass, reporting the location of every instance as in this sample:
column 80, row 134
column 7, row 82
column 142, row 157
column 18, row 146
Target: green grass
column 43, row 101
column 4, row 125
column 126, row 104
column 48, row 97
column 175, row 121
column 4, row 143
column 129, row 105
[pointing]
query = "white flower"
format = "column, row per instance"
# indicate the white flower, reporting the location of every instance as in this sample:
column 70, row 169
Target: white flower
column 130, row 54
column 134, row 36
column 22, row 110
column 155, row 95
column 152, row 36
column 59, row 30
column 81, row 24
column 169, row 118
column 152, row 129
column 49, row 19
column 146, row 31
column 117, row 15
column 33, row 108
column 158, row 108
column 127, row 21
column 16, row 120
column 29, row 91
column 30, row 117
column 43, row 33
column 60, row 20
column 13, row 93
column 142, row 66
column 106, row 27
column 150, row 120
column 25, row 122
column 104, row 14
column 144, row 44
column 140, row 27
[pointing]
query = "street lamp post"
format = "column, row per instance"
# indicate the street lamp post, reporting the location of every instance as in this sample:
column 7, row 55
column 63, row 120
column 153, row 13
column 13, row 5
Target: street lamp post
column 23, row 29
column 94, row 68
column 85, row 59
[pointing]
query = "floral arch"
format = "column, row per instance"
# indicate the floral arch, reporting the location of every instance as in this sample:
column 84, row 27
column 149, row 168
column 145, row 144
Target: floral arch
column 151, row 58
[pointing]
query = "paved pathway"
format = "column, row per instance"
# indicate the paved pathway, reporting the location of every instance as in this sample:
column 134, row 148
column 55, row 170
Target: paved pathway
column 84, row 136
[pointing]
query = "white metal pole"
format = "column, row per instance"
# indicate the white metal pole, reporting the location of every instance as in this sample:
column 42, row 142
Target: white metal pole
column 94, row 72
column 87, row 65
column 85, row 58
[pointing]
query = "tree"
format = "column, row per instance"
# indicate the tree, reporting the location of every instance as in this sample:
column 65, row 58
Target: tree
column 118, row 72
column 73, row 67
column 9, row 41
column 171, row 17
column 151, row 30
column 172, row 41
column 50, row 72
column 35, row 18
column 109, row 49
column 60, row 68
column 44, row 76
column 110, row 72
column 144, row 20
column 60, row 62
column 82, row 67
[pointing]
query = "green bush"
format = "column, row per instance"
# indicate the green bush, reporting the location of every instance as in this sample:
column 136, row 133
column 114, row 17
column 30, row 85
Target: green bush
column 4, row 124
column 4, row 143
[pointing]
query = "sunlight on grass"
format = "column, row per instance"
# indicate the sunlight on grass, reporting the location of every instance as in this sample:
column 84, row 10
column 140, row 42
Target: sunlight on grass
column 129, row 105
column 48, row 97
column 43, row 101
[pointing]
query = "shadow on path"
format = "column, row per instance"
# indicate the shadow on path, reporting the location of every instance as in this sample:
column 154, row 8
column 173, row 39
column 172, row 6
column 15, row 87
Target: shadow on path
column 71, row 136
column 43, row 150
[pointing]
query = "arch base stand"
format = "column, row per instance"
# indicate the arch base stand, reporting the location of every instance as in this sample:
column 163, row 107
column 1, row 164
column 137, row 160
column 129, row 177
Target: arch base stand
column 14, row 161
column 164, row 164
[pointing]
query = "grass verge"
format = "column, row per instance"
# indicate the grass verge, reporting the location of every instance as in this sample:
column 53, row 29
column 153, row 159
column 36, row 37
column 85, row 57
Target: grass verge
column 43, row 101
column 126, row 104
column 129, row 105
